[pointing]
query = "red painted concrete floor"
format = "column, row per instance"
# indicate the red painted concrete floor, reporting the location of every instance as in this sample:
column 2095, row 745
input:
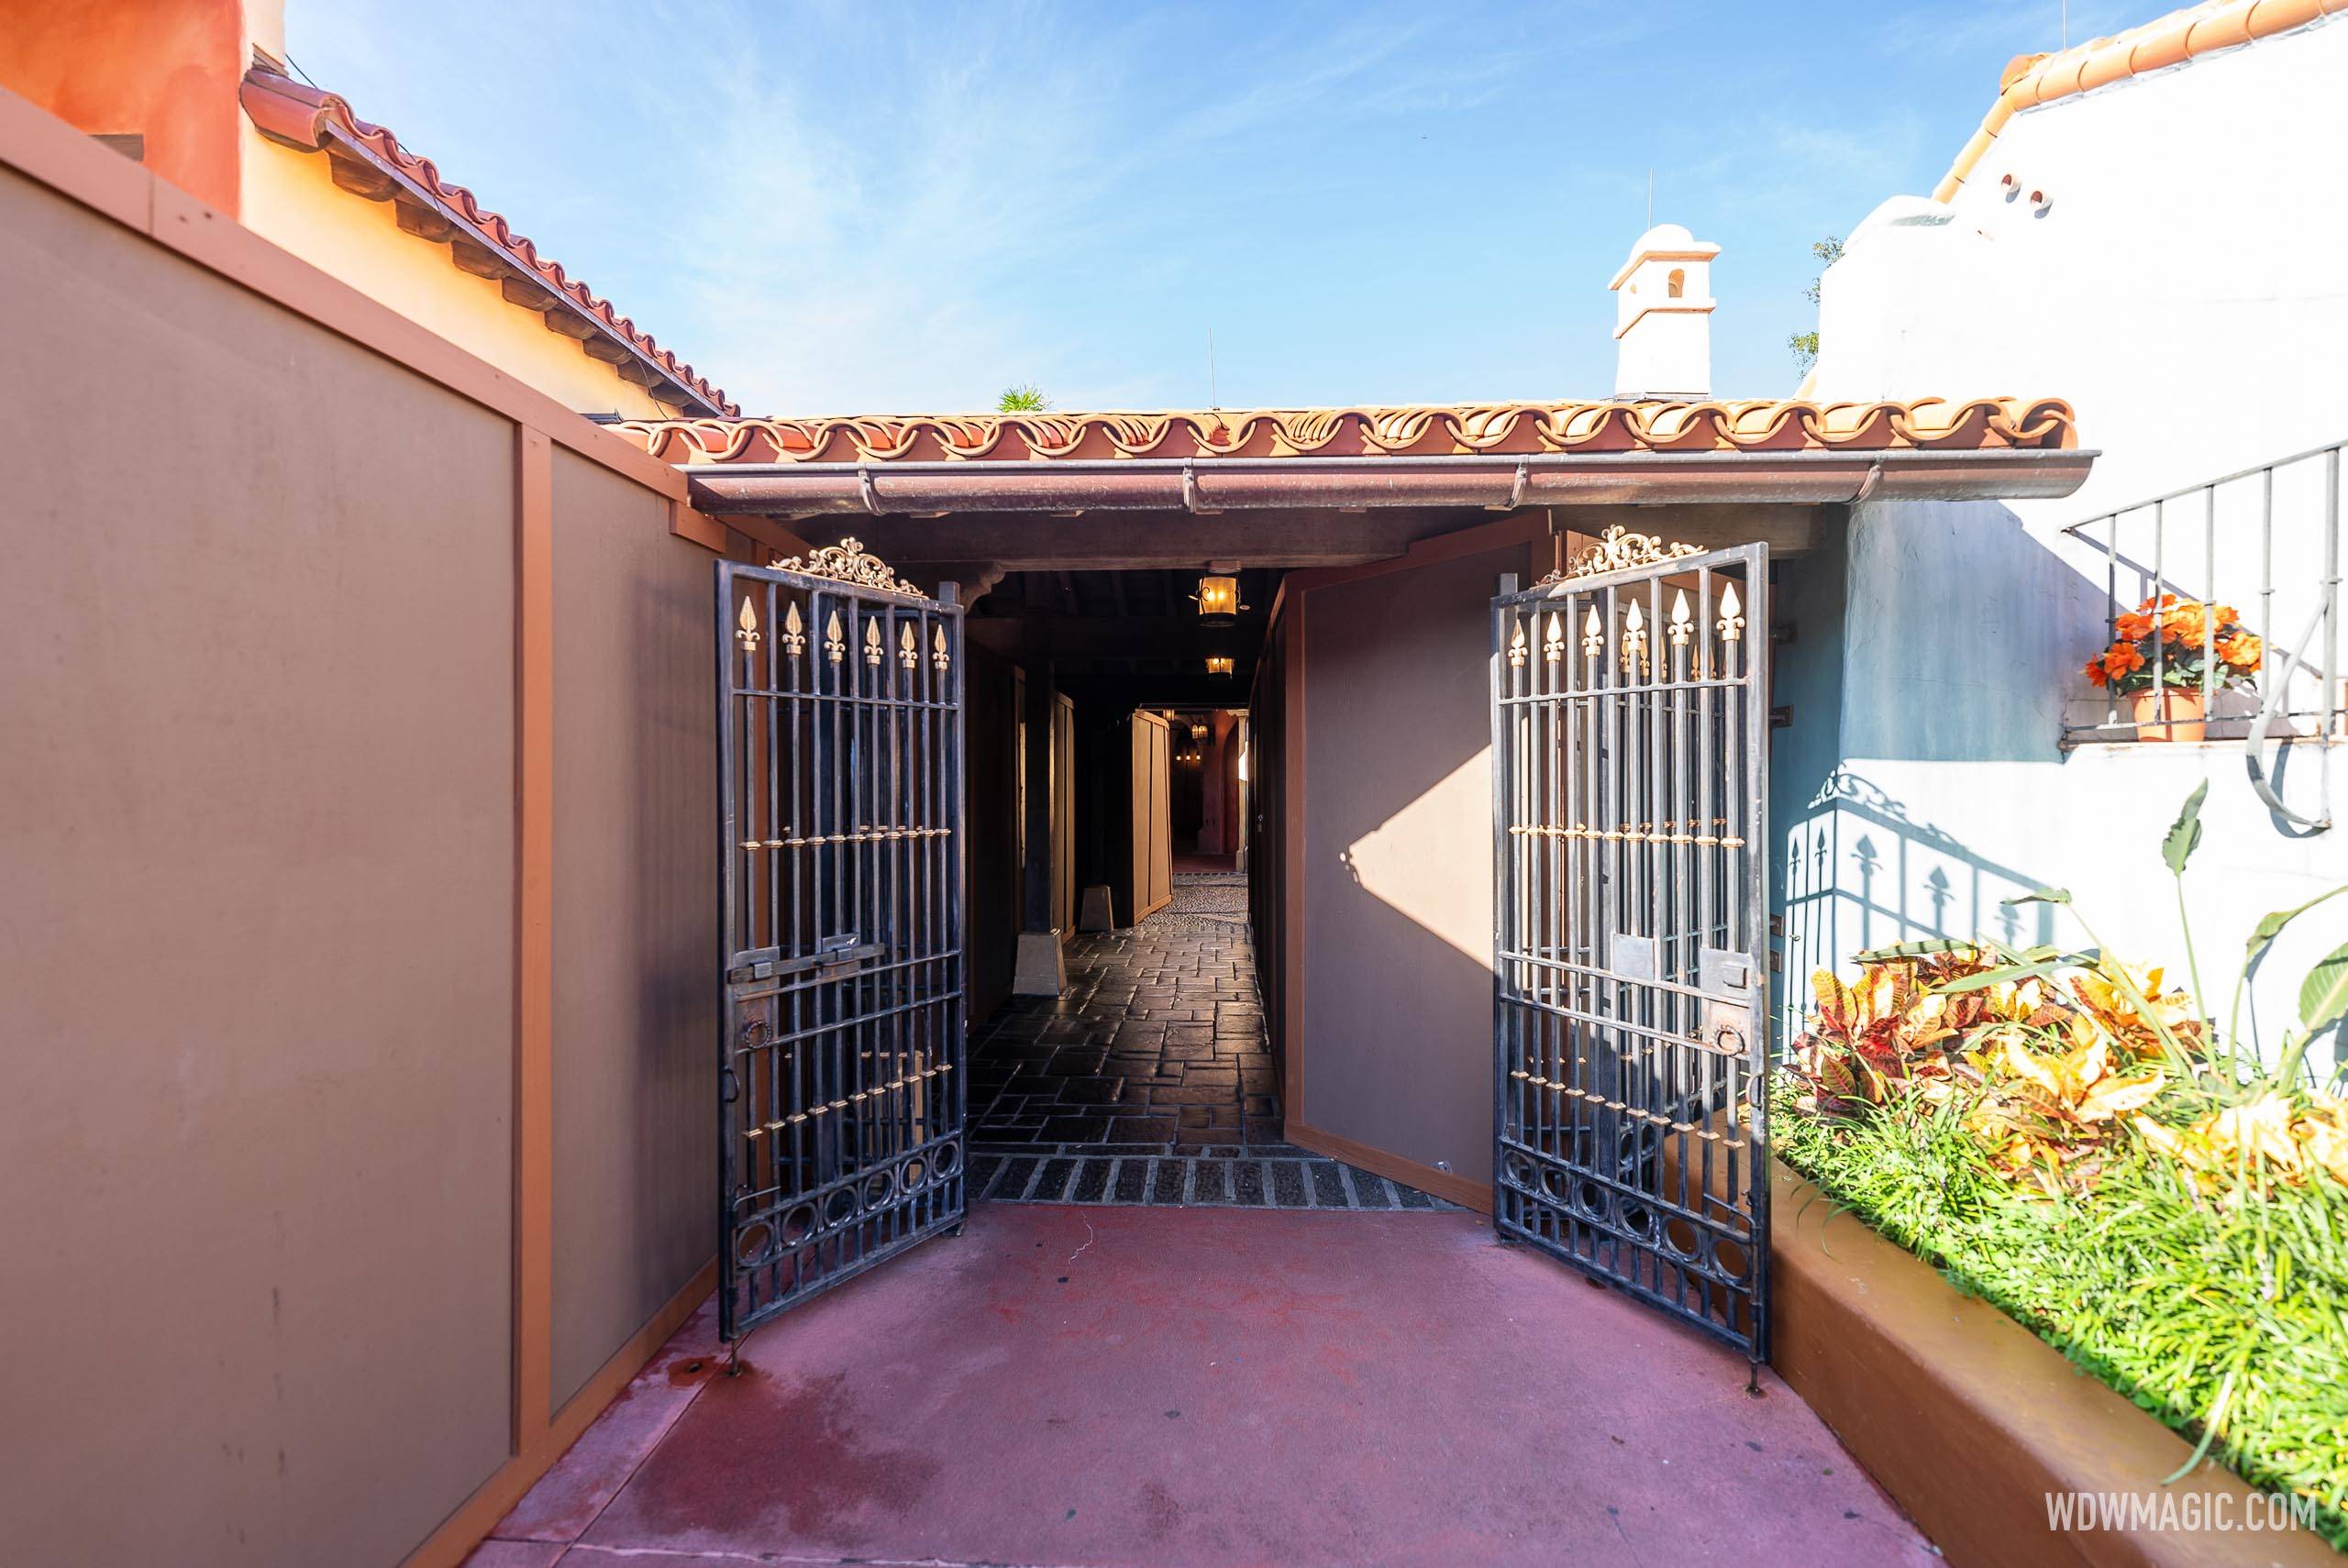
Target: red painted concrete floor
column 1144, row 1387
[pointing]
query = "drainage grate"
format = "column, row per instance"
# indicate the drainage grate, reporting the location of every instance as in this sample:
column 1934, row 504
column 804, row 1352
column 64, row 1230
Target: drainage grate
column 1205, row 1180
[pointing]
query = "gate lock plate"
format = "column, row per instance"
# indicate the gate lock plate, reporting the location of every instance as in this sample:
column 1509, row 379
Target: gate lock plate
column 1731, row 994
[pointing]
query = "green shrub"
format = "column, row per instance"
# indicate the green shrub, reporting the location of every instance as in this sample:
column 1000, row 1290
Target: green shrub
column 2225, row 1315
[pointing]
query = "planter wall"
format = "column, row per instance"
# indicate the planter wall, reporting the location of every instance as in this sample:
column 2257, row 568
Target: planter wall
column 1967, row 1419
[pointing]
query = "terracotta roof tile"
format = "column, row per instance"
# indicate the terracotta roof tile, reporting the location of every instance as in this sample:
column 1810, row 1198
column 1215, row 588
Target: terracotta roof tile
column 2030, row 79
column 301, row 116
column 1398, row 431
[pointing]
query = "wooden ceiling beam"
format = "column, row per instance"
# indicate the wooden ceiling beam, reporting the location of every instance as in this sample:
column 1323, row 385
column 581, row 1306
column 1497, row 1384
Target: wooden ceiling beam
column 1108, row 639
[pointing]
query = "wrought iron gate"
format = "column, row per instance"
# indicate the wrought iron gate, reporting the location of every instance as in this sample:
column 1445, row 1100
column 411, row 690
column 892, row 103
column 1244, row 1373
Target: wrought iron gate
column 840, row 757
column 1630, row 744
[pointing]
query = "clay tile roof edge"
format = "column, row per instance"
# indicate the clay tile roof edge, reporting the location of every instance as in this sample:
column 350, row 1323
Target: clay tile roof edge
column 1757, row 428
column 302, row 117
column 2030, row 80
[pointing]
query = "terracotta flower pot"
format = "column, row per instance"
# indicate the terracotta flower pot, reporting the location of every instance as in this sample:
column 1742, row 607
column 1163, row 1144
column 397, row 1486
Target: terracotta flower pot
column 2180, row 706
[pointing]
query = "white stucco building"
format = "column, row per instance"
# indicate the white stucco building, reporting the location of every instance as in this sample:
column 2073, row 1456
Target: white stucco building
column 2150, row 227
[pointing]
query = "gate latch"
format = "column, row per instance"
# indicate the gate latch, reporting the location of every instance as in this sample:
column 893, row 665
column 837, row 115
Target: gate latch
column 1721, row 971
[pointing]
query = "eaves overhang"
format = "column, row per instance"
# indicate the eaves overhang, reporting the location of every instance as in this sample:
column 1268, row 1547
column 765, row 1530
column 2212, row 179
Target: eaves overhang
column 1494, row 456
column 368, row 161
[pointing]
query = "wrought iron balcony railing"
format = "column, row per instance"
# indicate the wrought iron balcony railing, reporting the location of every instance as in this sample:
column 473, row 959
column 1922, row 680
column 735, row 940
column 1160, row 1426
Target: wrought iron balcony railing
column 2222, row 617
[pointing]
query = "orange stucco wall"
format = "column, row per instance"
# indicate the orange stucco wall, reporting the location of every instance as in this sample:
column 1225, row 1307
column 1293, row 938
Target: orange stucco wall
column 165, row 68
column 290, row 199
column 169, row 70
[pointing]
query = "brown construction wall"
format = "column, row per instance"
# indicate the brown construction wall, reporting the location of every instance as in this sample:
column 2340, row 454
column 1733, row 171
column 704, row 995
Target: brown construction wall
column 356, row 831
column 636, row 907
column 1396, row 1048
column 1275, row 884
column 990, row 931
column 257, row 820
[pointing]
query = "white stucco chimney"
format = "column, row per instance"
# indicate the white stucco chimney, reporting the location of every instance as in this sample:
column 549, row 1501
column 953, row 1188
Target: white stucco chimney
column 1662, row 305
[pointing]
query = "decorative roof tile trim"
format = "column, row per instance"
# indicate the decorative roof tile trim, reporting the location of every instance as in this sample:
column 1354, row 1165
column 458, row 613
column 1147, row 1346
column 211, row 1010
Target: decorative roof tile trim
column 306, row 119
column 1498, row 429
column 2030, row 79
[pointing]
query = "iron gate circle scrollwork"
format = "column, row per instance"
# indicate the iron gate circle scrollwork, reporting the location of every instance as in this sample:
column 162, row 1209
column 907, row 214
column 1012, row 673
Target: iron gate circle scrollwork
column 1629, row 748
column 841, row 799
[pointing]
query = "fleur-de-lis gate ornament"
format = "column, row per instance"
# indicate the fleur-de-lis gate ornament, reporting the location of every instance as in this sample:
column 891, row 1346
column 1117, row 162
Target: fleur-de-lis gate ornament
column 840, row 796
column 1630, row 1035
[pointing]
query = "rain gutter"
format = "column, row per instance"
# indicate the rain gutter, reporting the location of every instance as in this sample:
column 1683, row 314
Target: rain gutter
column 1499, row 483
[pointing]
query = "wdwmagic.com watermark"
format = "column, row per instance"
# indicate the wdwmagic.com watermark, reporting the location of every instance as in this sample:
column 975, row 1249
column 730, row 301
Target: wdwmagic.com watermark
column 2160, row 1509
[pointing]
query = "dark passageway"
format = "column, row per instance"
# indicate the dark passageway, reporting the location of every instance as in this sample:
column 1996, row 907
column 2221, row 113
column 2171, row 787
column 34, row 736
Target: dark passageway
column 1149, row 1080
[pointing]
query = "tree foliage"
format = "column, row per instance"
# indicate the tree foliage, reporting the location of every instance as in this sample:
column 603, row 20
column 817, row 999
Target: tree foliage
column 1804, row 345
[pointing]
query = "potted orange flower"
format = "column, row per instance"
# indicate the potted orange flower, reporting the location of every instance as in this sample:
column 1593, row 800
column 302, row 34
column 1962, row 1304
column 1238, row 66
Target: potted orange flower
column 2164, row 652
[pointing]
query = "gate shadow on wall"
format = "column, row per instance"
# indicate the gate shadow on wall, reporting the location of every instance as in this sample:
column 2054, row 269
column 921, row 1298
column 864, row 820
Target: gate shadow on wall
column 1861, row 873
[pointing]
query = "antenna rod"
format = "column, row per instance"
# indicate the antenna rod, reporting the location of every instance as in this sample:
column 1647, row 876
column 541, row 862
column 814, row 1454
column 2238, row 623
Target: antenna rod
column 1650, row 198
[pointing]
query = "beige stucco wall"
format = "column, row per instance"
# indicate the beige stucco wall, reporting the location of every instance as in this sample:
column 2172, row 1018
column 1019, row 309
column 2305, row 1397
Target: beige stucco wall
column 257, row 942
column 636, row 904
column 290, row 198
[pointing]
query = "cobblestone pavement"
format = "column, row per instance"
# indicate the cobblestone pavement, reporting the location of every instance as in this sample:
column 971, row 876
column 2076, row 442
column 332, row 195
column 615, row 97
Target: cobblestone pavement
column 1149, row 1081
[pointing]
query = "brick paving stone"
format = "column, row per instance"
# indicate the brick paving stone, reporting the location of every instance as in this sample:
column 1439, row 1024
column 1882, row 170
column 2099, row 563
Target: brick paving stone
column 1131, row 1183
column 1248, row 1182
column 1091, row 1181
column 1329, row 1185
column 1051, row 1183
column 1210, row 1181
column 1287, row 1183
column 1167, row 1181
column 1017, row 1176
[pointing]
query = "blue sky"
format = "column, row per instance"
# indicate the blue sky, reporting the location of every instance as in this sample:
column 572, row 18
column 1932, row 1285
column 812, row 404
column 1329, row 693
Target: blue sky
column 875, row 208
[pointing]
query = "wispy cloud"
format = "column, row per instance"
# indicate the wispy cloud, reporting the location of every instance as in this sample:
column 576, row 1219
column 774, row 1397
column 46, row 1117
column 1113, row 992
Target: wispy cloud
column 1993, row 31
column 966, row 238
column 840, row 204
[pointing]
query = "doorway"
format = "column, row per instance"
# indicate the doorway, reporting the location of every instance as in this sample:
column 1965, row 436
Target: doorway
column 1205, row 811
column 1149, row 1079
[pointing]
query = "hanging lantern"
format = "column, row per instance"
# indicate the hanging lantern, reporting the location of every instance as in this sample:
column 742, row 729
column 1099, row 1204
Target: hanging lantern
column 1218, row 599
column 1221, row 665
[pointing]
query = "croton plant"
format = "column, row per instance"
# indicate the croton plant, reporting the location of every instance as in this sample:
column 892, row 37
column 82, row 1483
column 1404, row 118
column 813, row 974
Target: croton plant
column 2041, row 1069
column 2047, row 1056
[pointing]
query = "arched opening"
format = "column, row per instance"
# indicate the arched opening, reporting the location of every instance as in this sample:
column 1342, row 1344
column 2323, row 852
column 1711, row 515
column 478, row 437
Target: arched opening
column 1677, row 285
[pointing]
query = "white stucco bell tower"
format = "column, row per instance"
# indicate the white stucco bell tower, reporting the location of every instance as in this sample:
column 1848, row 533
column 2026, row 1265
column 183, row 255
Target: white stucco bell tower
column 1663, row 307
